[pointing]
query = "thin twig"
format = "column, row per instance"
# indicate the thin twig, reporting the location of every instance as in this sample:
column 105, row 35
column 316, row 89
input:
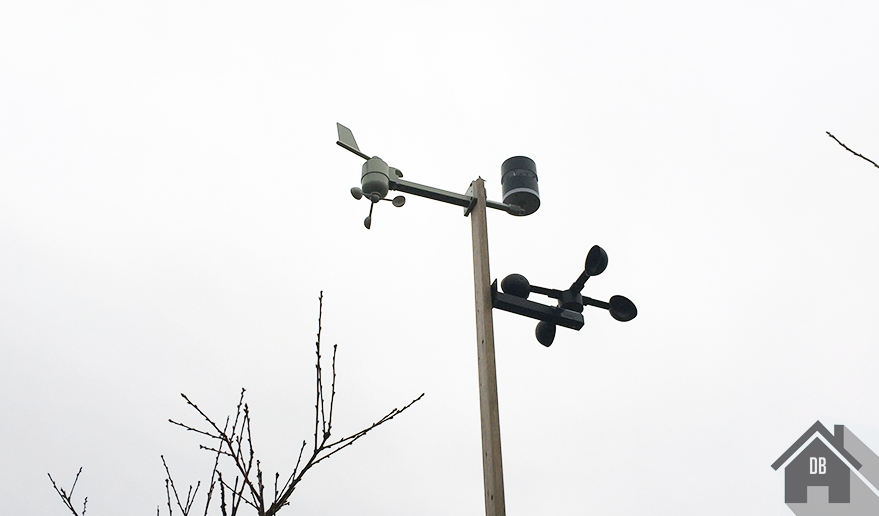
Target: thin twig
column 853, row 152
column 222, row 495
column 319, row 389
column 332, row 391
column 190, row 496
column 295, row 469
column 67, row 497
column 168, row 494
column 238, row 492
column 353, row 437
column 214, row 474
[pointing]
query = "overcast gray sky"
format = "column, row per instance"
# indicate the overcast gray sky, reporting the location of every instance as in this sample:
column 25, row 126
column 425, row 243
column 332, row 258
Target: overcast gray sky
column 172, row 202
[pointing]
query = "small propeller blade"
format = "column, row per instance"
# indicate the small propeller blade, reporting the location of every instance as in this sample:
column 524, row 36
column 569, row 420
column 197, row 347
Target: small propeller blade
column 357, row 193
column 368, row 220
column 399, row 201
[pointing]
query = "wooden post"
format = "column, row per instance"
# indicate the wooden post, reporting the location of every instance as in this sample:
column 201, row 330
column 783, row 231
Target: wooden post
column 492, row 467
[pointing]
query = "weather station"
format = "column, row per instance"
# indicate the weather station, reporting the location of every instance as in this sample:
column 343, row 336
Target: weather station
column 521, row 197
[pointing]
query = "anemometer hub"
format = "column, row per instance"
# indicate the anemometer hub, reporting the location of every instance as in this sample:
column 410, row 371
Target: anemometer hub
column 570, row 300
column 519, row 183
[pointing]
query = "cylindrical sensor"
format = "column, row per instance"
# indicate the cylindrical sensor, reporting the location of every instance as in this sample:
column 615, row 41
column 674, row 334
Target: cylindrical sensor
column 374, row 178
column 519, row 183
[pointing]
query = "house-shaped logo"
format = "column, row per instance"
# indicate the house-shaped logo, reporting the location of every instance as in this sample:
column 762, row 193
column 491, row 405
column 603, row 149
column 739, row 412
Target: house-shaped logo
column 830, row 474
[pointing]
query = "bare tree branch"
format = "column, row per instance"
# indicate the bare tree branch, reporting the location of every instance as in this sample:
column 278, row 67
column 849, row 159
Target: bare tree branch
column 190, row 496
column 67, row 497
column 844, row 146
column 236, row 443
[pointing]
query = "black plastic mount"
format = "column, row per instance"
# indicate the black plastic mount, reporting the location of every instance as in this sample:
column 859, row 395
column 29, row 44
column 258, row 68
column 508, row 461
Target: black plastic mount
column 520, row 306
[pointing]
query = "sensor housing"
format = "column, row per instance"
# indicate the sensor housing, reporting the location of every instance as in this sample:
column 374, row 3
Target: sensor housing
column 519, row 183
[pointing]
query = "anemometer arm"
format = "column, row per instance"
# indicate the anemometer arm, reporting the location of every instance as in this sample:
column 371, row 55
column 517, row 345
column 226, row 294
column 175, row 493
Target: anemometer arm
column 466, row 201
